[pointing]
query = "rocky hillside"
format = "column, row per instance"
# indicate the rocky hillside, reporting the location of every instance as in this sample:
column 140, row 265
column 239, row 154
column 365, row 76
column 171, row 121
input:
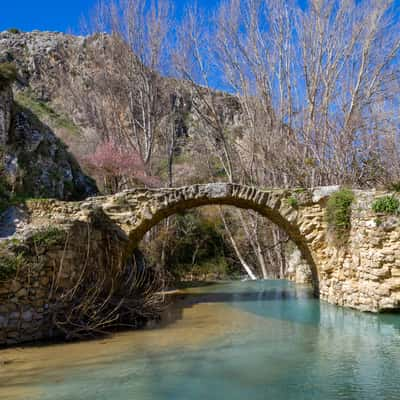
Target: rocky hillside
column 35, row 163
column 61, row 77
column 40, row 59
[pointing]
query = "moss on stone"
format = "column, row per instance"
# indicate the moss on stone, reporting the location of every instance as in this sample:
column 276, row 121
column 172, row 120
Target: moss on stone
column 15, row 31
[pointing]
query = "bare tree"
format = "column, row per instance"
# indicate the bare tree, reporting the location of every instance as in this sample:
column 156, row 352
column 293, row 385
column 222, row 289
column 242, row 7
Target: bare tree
column 317, row 89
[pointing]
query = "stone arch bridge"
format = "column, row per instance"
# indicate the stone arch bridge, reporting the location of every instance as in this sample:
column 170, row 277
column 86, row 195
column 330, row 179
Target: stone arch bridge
column 364, row 274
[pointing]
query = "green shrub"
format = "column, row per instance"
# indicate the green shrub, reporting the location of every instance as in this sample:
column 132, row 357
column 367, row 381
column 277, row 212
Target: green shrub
column 14, row 30
column 8, row 74
column 293, row 202
column 8, row 199
column 9, row 265
column 49, row 237
column 338, row 213
column 386, row 205
column 217, row 267
column 4, row 192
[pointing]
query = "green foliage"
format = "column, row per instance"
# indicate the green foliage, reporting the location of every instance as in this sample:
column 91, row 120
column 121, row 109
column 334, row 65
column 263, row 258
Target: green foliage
column 386, row 205
column 217, row 266
column 338, row 213
column 14, row 30
column 9, row 265
column 194, row 246
column 293, row 202
column 378, row 222
column 198, row 242
column 8, row 74
column 49, row 237
column 5, row 188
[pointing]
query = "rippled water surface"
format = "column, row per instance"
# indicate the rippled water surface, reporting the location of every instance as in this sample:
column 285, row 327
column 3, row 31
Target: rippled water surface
column 244, row 340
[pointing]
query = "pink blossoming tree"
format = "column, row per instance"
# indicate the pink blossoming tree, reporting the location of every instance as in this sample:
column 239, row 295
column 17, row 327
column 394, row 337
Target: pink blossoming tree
column 119, row 167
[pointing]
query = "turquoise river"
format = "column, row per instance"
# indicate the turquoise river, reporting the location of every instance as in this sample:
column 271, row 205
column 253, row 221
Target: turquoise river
column 233, row 341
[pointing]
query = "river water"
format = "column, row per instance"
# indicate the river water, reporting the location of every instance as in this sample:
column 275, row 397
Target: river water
column 234, row 341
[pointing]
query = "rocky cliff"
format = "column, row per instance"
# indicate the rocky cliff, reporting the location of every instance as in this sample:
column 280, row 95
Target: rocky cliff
column 35, row 163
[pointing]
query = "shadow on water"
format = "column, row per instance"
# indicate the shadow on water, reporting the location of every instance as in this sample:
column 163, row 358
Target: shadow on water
column 272, row 299
column 279, row 300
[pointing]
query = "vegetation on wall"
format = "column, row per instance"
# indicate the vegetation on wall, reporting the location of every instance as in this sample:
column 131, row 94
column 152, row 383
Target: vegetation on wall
column 48, row 237
column 338, row 213
column 293, row 202
column 386, row 205
column 9, row 265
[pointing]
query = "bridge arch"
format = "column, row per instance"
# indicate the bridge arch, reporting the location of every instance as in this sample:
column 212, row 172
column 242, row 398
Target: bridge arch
column 138, row 210
column 363, row 273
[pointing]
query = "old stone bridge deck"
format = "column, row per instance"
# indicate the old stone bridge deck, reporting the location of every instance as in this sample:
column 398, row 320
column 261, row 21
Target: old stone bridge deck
column 363, row 274
column 98, row 237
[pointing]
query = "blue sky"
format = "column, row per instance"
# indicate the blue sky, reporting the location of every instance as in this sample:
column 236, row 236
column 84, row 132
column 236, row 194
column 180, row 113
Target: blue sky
column 55, row 15
column 63, row 15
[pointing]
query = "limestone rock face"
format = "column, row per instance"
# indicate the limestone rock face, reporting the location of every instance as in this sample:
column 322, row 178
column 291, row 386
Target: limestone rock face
column 45, row 167
column 37, row 55
column 6, row 104
column 35, row 162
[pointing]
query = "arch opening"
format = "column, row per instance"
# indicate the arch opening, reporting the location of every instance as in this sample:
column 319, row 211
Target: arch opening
column 268, row 204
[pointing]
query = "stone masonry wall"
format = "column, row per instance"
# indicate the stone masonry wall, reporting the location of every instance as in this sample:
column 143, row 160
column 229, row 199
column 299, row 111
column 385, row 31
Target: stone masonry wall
column 52, row 260
column 364, row 274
